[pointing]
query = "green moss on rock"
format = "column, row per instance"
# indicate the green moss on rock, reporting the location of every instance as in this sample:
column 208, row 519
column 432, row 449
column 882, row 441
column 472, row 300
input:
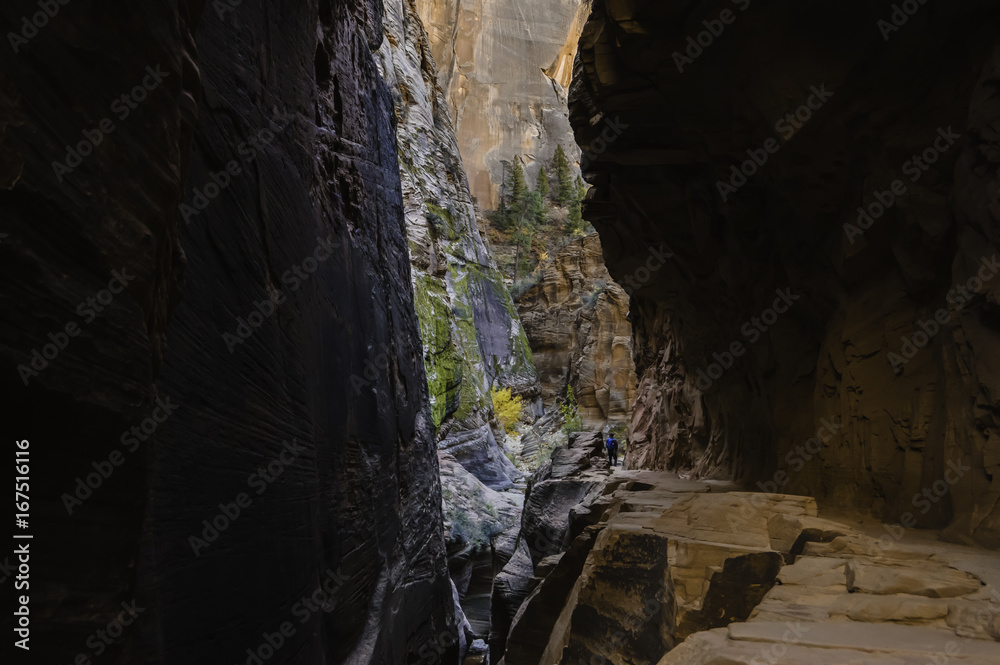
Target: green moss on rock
column 443, row 367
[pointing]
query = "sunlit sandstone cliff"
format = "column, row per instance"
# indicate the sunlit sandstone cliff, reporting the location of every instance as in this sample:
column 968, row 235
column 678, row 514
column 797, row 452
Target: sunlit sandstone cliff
column 505, row 66
column 472, row 337
column 576, row 319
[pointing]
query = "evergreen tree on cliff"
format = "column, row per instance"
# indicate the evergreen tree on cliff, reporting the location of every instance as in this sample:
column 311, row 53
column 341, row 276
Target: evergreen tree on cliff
column 518, row 188
column 543, row 184
column 565, row 192
column 574, row 223
column 501, row 217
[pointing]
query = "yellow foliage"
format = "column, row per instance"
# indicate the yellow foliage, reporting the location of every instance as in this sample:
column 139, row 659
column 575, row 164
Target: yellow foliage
column 507, row 408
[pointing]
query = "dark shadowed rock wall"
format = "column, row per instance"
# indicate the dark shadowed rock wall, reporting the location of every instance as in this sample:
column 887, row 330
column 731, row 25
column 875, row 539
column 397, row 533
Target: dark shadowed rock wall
column 274, row 318
column 800, row 392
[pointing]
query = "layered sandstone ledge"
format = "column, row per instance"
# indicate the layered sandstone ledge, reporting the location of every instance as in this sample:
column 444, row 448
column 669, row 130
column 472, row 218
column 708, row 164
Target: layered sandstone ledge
column 649, row 568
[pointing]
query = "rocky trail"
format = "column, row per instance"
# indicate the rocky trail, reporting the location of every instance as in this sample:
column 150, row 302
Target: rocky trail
column 625, row 566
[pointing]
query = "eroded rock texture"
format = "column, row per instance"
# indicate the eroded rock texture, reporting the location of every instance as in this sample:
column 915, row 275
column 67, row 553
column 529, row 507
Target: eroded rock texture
column 505, row 66
column 556, row 511
column 473, row 340
column 479, row 524
column 576, row 319
column 675, row 571
column 866, row 101
column 327, row 378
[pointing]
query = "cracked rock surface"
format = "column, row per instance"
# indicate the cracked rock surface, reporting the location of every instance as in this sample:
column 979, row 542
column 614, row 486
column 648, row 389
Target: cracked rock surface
column 682, row 572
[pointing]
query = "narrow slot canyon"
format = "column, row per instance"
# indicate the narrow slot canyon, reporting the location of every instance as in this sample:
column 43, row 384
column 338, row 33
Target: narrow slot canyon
column 440, row 332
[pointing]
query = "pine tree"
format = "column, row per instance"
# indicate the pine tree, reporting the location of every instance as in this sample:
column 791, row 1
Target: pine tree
column 518, row 188
column 574, row 223
column 536, row 209
column 501, row 216
column 543, row 184
column 564, row 194
column 527, row 213
column 581, row 189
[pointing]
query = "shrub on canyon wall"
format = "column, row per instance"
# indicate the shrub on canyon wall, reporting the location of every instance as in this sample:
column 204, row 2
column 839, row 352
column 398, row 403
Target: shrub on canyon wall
column 507, row 408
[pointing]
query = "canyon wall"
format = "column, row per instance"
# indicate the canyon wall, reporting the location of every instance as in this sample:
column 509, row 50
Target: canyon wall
column 505, row 66
column 221, row 290
column 793, row 340
column 576, row 319
column 472, row 337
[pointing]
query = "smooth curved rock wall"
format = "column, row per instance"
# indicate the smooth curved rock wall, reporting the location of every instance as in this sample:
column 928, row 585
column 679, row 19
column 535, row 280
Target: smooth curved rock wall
column 288, row 100
column 884, row 428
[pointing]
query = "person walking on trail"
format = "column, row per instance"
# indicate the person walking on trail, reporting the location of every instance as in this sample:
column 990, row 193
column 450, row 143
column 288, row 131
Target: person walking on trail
column 612, row 446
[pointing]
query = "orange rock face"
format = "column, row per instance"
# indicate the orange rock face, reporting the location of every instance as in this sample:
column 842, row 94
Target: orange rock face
column 576, row 319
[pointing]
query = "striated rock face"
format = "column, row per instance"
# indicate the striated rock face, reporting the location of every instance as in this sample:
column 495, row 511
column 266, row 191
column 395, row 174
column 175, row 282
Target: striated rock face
column 505, row 66
column 472, row 337
column 556, row 511
column 792, row 339
column 576, row 318
column 323, row 383
column 474, row 516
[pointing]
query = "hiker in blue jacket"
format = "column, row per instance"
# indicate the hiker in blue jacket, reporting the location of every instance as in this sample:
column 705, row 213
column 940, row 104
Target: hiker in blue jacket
column 612, row 446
